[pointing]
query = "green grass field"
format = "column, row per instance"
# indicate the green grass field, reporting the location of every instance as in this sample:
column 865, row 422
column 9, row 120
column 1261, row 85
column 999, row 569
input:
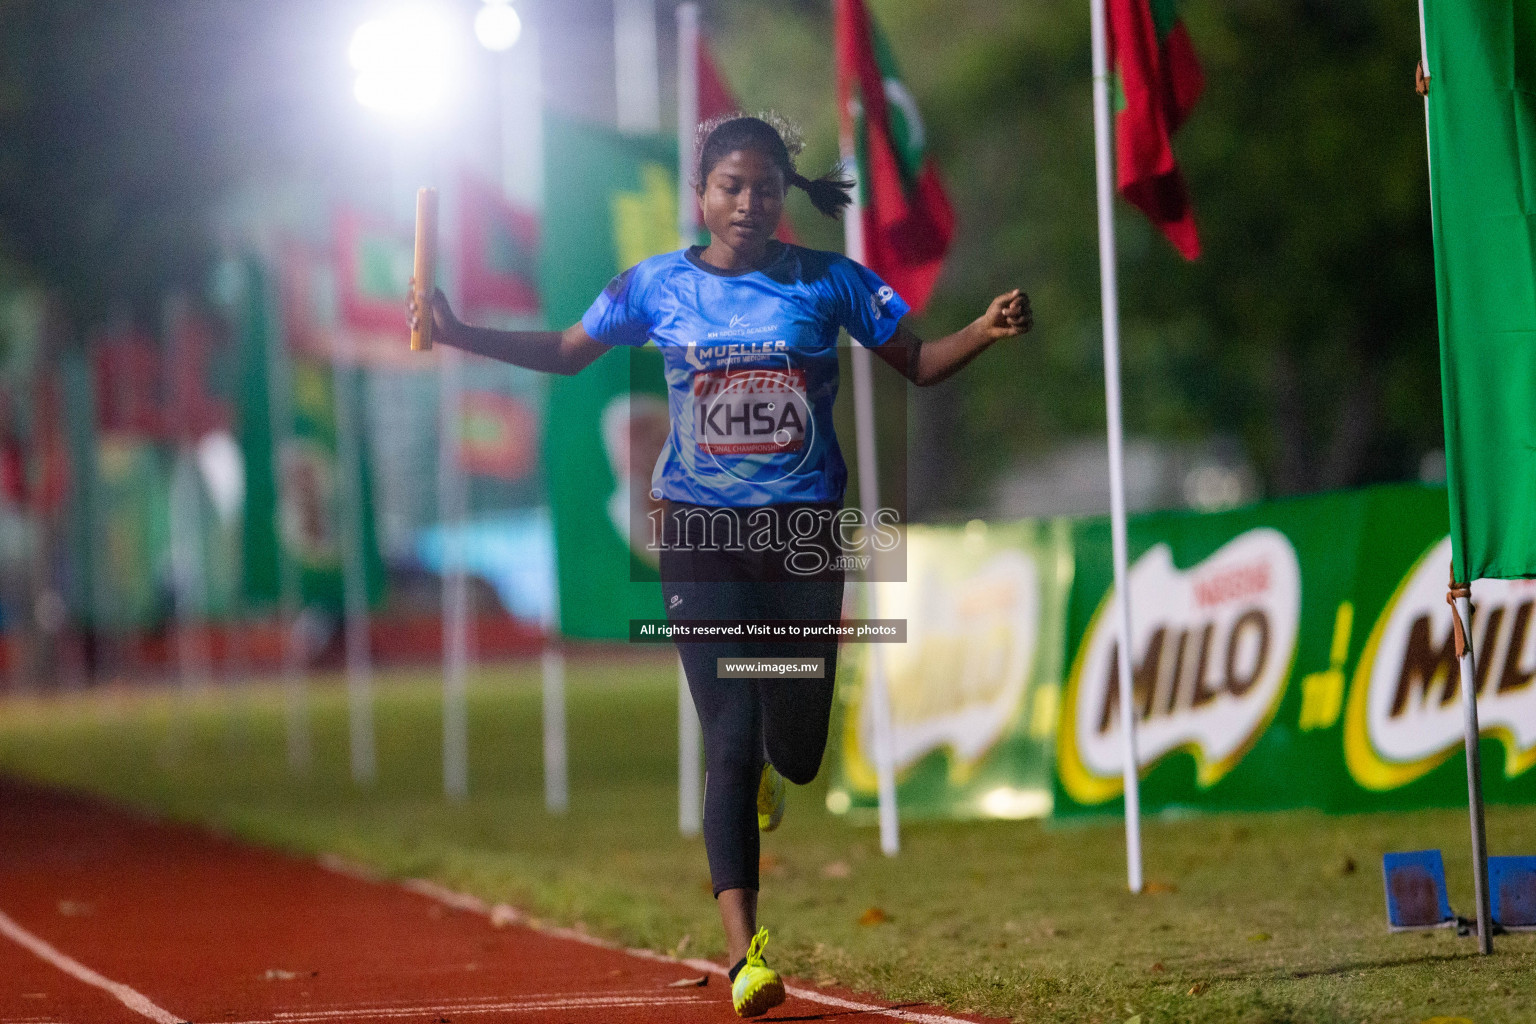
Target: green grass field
column 1253, row 918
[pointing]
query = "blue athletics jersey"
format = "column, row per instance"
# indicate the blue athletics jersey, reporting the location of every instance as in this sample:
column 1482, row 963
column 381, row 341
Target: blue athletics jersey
column 751, row 366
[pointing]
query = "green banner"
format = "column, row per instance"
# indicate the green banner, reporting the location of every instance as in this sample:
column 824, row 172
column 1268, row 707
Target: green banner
column 974, row 688
column 1482, row 141
column 292, row 488
column 614, row 204
column 310, row 516
column 132, row 534
column 1292, row 654
column 256, row 326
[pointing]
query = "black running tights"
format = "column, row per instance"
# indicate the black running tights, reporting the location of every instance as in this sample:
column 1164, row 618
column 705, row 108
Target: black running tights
column 748, row 720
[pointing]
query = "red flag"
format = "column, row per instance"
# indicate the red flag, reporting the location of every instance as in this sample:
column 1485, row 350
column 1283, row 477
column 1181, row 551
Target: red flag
column 51, row 488
column 127, row 376
column 498, row 435
column 374, row 262
column 906, row 216
column 715, row 98
column 1161, row 81
column 498, row 252
column 194, row 410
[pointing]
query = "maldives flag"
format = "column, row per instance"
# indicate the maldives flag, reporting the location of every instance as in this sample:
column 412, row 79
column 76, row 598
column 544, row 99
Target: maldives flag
column 1159, row 81
column 715, row 97
column 906, row 217
column 374, row 262
column 498, row 252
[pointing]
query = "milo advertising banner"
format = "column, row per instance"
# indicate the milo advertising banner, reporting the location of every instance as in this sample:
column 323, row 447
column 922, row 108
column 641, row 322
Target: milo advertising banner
column 1292, row 654
column 1403, row 719
column 974, row 688
column 1297, row 653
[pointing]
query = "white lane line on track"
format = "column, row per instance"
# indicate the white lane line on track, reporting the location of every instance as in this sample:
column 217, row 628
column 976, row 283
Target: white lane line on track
column 500, row 1006
column 514, row 1003
column 351, row 1005
column 912, row 1016
column 473, row 904
column 122, row 993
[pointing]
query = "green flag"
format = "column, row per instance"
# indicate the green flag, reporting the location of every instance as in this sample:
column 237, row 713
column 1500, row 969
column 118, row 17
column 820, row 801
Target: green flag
column 260, row 568
column 1482, row 158
column 597, row 484
column 291, row 488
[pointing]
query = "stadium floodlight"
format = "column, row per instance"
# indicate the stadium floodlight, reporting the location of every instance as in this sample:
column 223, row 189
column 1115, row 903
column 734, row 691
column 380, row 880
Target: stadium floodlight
column 402, row 60
column 497, row 26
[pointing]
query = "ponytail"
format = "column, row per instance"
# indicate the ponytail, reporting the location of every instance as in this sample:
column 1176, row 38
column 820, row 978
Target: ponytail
column 830, row 194
column 771, row 134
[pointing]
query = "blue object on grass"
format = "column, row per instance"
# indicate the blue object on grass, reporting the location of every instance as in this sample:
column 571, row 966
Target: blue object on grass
column 1512, row 891
column 513, row 551
column 1416, row 896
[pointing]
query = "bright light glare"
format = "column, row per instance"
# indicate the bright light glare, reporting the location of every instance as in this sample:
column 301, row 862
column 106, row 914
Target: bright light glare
column 402, row 61
column 497, row 26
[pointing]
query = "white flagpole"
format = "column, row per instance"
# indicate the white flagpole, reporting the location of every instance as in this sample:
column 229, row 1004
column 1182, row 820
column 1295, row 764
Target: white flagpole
column 869, row 504
column 1467, row 663
column 1468, row 669
column 522, row 178
column 687, row 119
column 450, row 505
column 1110, row 297
column 636, row 77
column 189, row 557
column 557, row 792
column 690, row 786
column 522, row 181
column 189, row 554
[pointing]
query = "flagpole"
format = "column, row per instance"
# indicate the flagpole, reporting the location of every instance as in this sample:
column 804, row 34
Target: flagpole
column 557, row 786
column 1110, row 298
column 189, row 554
column 1461, row 593
column 869, row 504
column 522, row 181
column 452, row 509
column 687, row 118
column 690, row 787
column 455, row 608
column 636, row 66
column 1467, row 666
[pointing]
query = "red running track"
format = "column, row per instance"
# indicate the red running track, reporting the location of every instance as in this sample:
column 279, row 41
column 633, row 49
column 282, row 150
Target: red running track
column 105, row 916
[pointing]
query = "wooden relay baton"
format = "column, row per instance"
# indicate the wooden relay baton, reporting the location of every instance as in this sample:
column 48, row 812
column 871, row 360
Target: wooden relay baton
column 426, row 266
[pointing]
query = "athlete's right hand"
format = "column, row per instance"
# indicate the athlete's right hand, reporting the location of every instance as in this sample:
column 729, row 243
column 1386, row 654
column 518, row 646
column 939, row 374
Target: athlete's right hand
column 444, row 323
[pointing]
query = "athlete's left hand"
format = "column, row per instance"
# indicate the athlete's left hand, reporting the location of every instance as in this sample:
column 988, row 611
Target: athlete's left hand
column 1008, row 316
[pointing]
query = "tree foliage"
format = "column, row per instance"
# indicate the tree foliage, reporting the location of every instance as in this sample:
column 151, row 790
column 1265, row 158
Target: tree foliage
column 1306, row 330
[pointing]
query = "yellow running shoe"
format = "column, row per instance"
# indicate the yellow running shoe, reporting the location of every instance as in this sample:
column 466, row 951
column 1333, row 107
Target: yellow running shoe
column 757, row 988
column 770, row 799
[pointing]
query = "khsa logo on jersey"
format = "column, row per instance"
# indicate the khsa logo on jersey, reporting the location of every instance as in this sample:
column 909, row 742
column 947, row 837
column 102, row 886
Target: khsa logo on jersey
column 750, row 412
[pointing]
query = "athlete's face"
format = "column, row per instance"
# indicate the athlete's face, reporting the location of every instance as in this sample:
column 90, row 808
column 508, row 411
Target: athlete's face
column 742, row 199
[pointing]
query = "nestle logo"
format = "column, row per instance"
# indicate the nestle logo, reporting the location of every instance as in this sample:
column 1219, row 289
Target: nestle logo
column 1231, row 584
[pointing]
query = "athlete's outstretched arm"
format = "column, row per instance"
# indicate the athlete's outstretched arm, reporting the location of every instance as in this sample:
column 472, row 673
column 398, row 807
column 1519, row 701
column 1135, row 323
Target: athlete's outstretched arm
column 565, row 352
column 928, row 362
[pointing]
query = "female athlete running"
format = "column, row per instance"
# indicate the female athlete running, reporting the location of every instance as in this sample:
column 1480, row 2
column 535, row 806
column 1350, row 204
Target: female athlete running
column 751, row 478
